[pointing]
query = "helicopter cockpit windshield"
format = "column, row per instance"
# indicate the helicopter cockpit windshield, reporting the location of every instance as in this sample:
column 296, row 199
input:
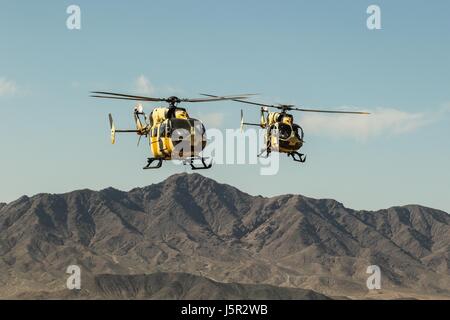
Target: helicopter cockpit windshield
column 284, row 131
column 199, row 128
column 182, row 127
column 298, row 131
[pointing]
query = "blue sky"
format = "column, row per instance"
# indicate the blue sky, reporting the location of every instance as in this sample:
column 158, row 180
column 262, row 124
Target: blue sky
column 319, row 54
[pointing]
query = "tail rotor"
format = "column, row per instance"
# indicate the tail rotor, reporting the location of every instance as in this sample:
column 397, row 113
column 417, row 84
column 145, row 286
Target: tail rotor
column 113, row 129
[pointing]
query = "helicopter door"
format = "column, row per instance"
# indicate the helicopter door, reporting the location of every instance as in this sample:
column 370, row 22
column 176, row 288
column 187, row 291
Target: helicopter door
column 162, row 138
column 154, row 132
column 272, row 138
column 298, row 131
column 153, row 139
column 199, row 135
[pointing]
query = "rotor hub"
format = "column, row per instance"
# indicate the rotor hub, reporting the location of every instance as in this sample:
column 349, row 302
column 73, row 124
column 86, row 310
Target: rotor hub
column 173, row 101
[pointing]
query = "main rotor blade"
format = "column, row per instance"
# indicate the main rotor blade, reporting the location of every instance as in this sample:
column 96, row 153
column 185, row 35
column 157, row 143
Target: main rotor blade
column 119, row 98
column 131, row 97
column 217, row 98
column 291, row 107
column 328, row 111
column 238, row 99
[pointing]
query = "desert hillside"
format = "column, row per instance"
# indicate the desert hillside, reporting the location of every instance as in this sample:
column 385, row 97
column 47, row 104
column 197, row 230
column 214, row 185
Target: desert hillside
column 192, row 230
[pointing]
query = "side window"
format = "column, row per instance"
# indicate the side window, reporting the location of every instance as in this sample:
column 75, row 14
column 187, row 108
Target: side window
column 150, row 119
column 168, row 129
column 298, row 132
column 162, row 130
column 155, row 132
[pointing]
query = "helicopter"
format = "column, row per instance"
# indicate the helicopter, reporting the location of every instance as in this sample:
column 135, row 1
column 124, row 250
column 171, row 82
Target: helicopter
column 171, row 132
column 282, row 134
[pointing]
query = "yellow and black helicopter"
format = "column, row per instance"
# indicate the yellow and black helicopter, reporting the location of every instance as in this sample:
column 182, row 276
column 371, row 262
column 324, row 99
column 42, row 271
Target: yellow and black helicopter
column 171, row 132
column 282, row 134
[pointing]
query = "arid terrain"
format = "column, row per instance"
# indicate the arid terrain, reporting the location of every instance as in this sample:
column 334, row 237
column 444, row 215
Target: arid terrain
column 190, row 237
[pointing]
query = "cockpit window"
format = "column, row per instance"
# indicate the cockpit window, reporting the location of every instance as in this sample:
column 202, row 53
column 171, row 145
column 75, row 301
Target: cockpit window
column 298, row 131
column 179, row 129
column 178, row 126
column 198, row 126
column 284, row 131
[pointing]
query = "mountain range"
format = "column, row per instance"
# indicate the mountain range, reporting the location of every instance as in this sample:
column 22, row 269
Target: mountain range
column 190, row 237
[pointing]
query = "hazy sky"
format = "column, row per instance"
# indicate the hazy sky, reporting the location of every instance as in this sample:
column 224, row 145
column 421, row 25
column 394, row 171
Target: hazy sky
column 318, row 54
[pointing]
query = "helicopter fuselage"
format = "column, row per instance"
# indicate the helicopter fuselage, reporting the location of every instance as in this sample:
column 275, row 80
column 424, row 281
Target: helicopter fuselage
column 172, row 134
column 283, row 135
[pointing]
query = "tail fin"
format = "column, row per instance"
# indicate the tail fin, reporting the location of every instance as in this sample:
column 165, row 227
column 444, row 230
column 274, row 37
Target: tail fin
column 242, row 121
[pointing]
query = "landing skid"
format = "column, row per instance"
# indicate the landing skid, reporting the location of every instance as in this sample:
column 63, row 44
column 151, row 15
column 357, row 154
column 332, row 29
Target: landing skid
column 299, row 157
column 150, row 161
column 190, row 161
column 266, row 152
column 203, row 162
